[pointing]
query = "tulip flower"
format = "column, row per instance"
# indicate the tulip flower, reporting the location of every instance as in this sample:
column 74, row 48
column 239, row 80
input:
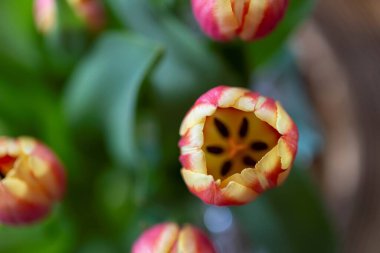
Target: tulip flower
column 91, row 11
column 235, row 144
column 247, row 19
column 31, row 180
column 45, row 15
column 169, row 238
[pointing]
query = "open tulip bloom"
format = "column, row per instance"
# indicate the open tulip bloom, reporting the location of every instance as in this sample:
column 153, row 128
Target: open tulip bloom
column 247, row 19
column 235, row 144
column 168, row 237
column 31, row 180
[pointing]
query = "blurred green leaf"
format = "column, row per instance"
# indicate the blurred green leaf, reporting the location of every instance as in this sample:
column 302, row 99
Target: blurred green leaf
column 35, row 110
column 289, row 219
column 262, row 51
column 53, row 235
column 188, row 68
column 19, row 40
column 105, row 89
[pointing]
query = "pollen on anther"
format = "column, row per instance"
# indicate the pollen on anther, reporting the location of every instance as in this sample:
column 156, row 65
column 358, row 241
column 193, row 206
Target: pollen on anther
column 259, row 146
column 226, row 167
column 243, row 128
column 222, row 128
column 247, row 160
column 215, row 150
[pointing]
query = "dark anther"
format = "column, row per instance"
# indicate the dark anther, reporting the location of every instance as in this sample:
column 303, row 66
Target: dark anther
column 259, row 146
column 215, row 150
column 247, row 160
column 243, row 128
column 226, row 167
column 2, row 175
column 223, row 130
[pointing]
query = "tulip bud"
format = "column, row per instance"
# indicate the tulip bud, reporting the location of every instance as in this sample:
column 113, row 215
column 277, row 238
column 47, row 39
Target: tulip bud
column 247, row 19
column 45, row 15
column 168, row 237
column 235, row 145
column 91, row 11
column 31, row 180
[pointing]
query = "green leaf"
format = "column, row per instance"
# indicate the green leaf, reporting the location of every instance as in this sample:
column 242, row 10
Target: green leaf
column 105, row 87
column 18, row 38
column 188, row 68
column 53, row 235
column 290, row 218
column 262, row 51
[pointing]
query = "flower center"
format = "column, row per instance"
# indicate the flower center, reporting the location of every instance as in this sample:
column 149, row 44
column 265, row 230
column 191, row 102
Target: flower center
column 6, row 164
column 235, row 140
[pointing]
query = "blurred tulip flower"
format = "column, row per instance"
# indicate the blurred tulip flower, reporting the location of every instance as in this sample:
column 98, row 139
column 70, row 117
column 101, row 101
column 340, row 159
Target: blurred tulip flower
column 235, row 144
column 45, row 15
column 31, row 180
column 248, row 19
column 91, row 11
column 168, row 237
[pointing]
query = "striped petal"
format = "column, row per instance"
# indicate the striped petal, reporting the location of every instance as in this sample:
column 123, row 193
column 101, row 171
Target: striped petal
column 248, row 19
column 169, row 237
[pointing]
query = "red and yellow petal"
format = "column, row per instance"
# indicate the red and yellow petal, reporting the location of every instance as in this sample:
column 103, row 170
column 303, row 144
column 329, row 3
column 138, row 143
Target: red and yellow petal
column 193, row 240
column 169, row 237
column 15, row 211
column 197, row 115
column 204, row 14
column 274, row 12
column 160, row 238
column 210, row 191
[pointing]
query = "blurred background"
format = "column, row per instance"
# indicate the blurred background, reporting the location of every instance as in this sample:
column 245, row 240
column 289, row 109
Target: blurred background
column 108, row 91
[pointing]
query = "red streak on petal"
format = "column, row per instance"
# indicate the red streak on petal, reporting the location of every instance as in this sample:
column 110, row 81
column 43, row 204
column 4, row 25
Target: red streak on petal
column 214, row 196
column 212, row 96
column 149, row 239
column 14, row 211
column 273, row 14
column 204, row 14
column 272, row 176
column 245, row 11
column 186, row 161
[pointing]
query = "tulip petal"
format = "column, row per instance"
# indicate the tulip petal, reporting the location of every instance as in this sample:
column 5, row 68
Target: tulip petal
column 253, row 18
column 192, row 240
column 197, row 115
column 194, row 160
column 225, row 18
column 168, row 237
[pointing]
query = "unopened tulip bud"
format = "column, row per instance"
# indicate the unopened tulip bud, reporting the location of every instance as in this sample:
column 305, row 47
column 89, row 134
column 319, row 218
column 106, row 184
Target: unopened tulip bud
column 246, row 19
column 236, row 144
column 91, row 11
column 31, row 180
column 45, row 15
column 170, row 238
